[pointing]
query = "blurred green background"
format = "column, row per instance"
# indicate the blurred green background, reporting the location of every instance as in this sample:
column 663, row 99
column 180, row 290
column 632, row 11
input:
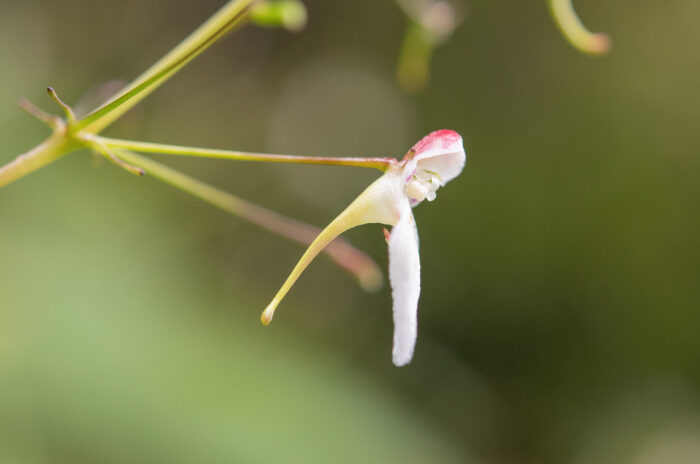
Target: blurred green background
column 561, row 303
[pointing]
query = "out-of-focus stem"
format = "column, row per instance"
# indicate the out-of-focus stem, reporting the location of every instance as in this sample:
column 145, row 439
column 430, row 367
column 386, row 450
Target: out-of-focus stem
column 413, row 69
column 290, row 14
column 345, row 255
column 575, row 32
column 223, row 21
column 70, row 115
column 146, row 147
column 48, row 151
column 72, row 134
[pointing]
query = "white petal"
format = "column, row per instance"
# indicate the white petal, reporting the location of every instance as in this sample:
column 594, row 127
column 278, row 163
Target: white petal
column 441, row 151
column 404, row 274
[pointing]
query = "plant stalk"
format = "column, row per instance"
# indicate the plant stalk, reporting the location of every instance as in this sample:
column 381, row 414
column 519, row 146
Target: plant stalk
column 575, row 32
column 223, row 21
column 48, row 151
column 146, row 147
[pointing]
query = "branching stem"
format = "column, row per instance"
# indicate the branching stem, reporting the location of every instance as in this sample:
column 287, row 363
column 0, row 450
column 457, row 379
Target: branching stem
column 48, row 151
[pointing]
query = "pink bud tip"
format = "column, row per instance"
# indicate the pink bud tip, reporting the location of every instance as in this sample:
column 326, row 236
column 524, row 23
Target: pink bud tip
column 442, row 138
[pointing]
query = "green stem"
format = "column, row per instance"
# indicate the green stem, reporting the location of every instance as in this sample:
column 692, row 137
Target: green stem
column 223, row 21
column 413, row 69
column 345, row 255
column 75, row 134
column 146, row 147
column 575, row 32
column 48, row 151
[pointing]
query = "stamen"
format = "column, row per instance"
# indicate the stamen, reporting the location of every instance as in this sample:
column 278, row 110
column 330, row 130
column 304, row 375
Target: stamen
column 423, row 185
column 436, row 176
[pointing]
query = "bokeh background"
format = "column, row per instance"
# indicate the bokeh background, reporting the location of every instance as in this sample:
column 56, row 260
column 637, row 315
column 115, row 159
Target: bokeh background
column 561, row 304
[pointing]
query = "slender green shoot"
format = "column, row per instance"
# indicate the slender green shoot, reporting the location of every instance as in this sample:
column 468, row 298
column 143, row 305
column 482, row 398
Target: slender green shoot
column 70, row 115
column 51, row 120
column 111, row 156
column 229, row 16
column 146, row 147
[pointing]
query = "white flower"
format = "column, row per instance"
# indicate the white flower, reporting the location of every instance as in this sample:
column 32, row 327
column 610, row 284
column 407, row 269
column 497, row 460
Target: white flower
column 438, row 158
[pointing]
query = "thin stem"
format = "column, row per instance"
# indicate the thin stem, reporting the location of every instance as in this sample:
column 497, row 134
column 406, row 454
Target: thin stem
column 107, row 153
column 54, row 122
column 413, row 69
column 229, row 16
column 147, row 147
column 575, row 32
column 70, row 115
column 345, row 255
column 48, row 151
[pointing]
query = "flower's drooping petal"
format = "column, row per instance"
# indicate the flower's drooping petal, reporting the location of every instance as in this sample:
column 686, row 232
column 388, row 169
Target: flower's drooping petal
column 441, row 152
column 380, row 202
column 404, row 274
column 436, row 159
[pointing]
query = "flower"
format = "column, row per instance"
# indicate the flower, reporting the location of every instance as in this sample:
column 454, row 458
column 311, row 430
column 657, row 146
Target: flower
column 432, row 162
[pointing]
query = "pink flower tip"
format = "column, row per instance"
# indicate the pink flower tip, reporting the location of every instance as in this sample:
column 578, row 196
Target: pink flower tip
column 440, row 139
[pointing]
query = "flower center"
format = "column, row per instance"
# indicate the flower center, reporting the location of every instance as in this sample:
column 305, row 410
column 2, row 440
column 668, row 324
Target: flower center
column 423, row 184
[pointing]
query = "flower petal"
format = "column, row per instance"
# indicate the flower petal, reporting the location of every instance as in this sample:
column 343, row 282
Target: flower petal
column 404, row 274
column 441, row 151
column 383, row 202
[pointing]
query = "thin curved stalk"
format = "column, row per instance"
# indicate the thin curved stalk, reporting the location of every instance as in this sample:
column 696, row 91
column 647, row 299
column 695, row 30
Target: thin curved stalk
column 575, row 32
